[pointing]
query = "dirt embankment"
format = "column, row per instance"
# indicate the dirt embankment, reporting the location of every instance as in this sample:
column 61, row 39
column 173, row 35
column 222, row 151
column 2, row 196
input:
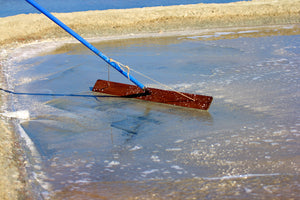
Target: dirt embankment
column 27, row 28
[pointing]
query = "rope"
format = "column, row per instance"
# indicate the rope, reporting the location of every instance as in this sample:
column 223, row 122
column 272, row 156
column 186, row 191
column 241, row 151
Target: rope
column 166, row 86
column 121, row 65
column 128, row 68
column 108, row 74
column 159, row 83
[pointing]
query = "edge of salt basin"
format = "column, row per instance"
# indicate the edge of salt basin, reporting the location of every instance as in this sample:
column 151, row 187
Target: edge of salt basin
column 28, row 28
column 34, row 34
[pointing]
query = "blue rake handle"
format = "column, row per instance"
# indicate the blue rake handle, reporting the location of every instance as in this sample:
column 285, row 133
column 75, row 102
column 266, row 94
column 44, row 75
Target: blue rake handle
column 86, row 43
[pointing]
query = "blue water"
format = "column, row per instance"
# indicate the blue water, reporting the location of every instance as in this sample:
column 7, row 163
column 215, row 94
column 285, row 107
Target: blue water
column 97, row 147
column 15, row 7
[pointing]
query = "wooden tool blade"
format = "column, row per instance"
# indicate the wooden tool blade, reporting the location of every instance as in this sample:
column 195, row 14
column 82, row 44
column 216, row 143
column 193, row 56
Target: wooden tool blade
column 152, row 94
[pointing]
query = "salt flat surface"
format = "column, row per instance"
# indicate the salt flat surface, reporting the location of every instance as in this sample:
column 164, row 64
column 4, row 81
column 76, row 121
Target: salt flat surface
column 247, row 145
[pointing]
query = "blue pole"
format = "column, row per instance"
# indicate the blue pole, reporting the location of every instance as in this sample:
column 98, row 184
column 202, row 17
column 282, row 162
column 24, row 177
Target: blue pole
column 86, row 43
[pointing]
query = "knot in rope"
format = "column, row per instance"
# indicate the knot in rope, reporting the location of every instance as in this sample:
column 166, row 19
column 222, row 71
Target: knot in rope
column 121, row 66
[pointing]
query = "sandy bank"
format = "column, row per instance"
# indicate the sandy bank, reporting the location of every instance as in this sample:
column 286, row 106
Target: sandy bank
column 27, row 28
column 188, row 19
column 12, row 178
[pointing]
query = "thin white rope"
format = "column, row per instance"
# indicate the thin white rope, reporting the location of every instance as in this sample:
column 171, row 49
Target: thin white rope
column 108, row 72
column 159, row 83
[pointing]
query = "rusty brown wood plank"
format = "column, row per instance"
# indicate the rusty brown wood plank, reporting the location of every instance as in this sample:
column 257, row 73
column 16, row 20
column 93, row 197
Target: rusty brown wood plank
column 152, row 94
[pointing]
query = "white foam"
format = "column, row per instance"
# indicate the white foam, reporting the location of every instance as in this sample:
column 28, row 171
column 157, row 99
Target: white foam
column 201, row 36
column 179, row 141
column 67, row 165
column 174, row 149
column 21, row 114
column 223, row 33
column 110, row 170
column 243, row 176
column 196, row 153
column 31, row 50
column 149, row 171
column 176, row 167
column 135, row 148
column 217, row 34
column 83, row 181
column 250, row 31
column 155, row 158
column 289, row 27
column 89, row 165
column 28, row 141
column 113, row 163
column 38, row 176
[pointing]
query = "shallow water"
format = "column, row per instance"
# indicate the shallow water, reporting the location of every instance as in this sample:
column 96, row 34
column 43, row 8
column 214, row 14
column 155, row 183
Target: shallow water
column 246, row 146
column 15, row 7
